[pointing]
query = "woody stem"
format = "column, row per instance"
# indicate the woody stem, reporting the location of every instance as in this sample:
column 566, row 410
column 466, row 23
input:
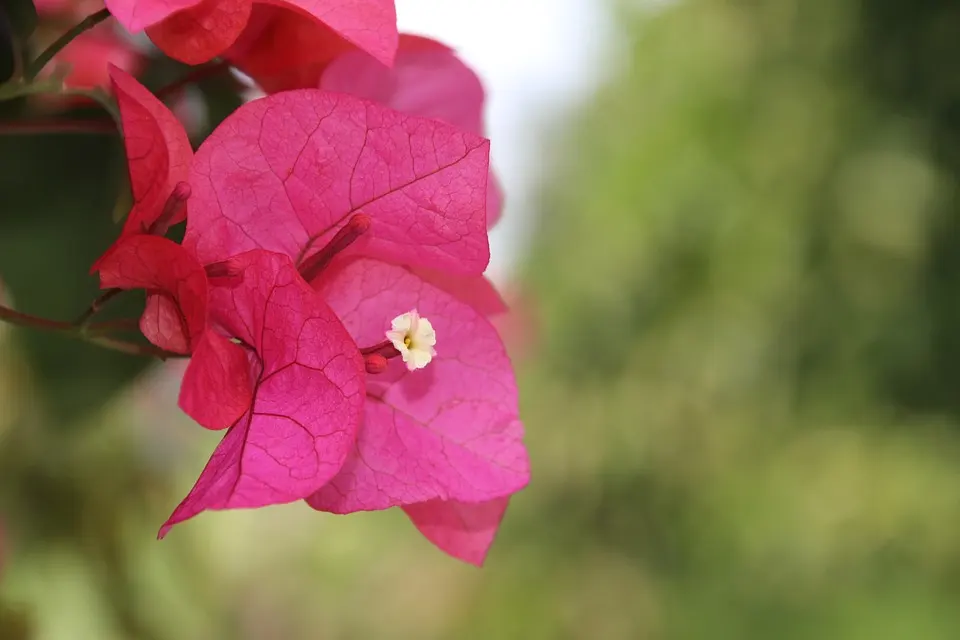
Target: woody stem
column 113, row 326
column 93, row 333
column 96, row 305
column 131, row 348
column 47, row 54
column 11, row 316
column 57, row 126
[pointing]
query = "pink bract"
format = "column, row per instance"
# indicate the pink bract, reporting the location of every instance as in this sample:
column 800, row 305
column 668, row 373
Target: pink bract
column 202, row 32
column 427, row 79
column 370, row 25
column 283, row 49
column 307, row 389
column 286, row 172
column 158, row 152
column 137, row 15
column 449, row 432
column 217, row 386
column 176, row 311
column 195, row 31
column 464, row 530
column 476, row 291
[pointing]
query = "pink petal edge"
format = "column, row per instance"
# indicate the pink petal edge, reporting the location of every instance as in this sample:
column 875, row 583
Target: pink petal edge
column 465, row 531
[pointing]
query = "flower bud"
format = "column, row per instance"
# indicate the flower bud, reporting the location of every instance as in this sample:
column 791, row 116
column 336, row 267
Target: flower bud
column 375, row 363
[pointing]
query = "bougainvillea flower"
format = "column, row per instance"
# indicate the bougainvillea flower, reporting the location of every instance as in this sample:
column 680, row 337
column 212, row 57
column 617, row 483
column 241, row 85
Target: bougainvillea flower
column 176, row 312
column 311, row 185
column 447, row 435
column 288, row 172
column 427, row 79
column 89, row 54
column 282, row 49
column 306, row 388
column 194, row 31
column 158, row 159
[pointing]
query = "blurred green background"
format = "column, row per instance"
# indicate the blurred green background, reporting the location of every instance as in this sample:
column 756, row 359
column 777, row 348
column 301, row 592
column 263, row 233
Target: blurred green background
column 739, row 366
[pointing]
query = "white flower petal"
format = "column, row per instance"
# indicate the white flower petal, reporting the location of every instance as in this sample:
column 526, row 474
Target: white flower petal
column 414, row 337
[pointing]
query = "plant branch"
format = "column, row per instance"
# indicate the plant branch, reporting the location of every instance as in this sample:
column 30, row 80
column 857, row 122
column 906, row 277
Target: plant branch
column 112, row 326
column 21, row 127
column 131, row 348
column 47, row 54
column 93, row 333
column 26, row 320
column 96, row 305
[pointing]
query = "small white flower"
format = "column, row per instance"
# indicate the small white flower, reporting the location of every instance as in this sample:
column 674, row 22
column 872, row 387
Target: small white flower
column 414, row 337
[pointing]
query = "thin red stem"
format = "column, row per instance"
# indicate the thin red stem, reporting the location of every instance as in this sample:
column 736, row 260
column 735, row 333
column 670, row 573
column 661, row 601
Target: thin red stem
column 10, row 316
column 132, row 348
column 96, row 305
column 111, row 326
column 377, row 348
column 92, row 334
column 27, row 127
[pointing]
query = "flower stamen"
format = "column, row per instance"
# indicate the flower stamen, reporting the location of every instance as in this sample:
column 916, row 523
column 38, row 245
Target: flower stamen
column 358, row 225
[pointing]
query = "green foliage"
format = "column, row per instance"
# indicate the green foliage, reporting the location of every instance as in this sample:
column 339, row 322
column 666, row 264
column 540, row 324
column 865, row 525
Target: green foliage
column 748, row 277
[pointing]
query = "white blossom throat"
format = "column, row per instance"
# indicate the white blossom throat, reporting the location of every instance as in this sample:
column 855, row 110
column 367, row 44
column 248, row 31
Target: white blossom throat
column 413, row 336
